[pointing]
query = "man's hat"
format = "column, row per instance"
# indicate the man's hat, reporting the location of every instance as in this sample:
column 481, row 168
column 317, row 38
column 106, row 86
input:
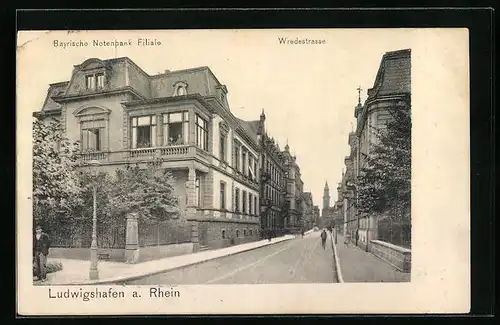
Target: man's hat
column 38, row 227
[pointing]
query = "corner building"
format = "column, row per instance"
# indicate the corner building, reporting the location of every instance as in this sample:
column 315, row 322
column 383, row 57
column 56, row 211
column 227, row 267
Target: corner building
column 391, row 88
column 122, row 115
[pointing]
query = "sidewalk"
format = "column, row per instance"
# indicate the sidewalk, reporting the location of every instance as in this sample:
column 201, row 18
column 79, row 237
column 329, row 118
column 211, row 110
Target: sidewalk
column 357, row 265
column 76, row 272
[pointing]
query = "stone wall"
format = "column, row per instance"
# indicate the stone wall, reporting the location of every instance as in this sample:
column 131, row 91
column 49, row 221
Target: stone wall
column 83, row 253
column 149, row 253
column 397, row 256
column 223, row 233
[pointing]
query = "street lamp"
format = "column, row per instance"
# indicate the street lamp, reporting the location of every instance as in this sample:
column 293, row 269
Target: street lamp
column 94, row 272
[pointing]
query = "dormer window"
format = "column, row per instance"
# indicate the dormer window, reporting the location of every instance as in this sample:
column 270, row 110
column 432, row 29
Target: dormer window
column 100, row 81
column 94, row 81
column 180, row 89
column 90, row 82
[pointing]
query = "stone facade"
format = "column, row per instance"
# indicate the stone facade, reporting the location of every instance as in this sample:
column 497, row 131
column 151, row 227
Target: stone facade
column 281, row 186
column 309, row 219
column 122, row 115
column 294, row 192
column 392, row 87
column 219, row 233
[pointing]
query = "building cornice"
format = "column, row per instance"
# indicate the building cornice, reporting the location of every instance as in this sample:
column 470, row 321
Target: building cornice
column 52, row 112
column 165, row 100
column 128, row 89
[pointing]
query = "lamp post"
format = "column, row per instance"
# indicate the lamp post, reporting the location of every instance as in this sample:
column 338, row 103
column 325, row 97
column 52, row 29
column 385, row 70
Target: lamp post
column 94, row 272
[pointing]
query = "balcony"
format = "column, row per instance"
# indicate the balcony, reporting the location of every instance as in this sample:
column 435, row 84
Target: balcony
column 145, row 154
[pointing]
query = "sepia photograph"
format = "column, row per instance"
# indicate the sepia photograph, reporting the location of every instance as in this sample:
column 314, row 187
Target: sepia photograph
column 162, row 162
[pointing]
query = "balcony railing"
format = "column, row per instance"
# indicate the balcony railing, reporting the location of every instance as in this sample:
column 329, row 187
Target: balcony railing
column 141, row 154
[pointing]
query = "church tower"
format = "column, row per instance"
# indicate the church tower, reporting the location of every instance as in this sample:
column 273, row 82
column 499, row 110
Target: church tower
column 326, row 200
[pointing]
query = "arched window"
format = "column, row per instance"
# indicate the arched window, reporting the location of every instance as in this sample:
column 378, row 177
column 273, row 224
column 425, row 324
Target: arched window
column 244, row 232
column 237, row 233
column 223, row 234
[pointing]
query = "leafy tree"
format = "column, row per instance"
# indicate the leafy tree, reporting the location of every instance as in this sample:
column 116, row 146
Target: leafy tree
column 384, row 184
column 147, row 191
column 55, row 182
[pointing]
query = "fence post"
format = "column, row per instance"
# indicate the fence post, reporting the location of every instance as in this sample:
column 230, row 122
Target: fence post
column 132, row 239
column 194, row 236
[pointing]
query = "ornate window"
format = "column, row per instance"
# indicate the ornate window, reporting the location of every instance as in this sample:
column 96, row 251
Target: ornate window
column 91, row 139
column 222, row 195
column 144, row 131
column 236, row 155
column 244, row 208
column 95, row 81
column 250, row 203
column 201, row 133
column 245, row 162
column 237, row 200
column 223, row 132
column 93, row 122
column 176, row 128
column 222, row 146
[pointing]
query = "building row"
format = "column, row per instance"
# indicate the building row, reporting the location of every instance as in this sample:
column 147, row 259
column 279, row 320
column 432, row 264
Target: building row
column 392, row 88
column 232, row 179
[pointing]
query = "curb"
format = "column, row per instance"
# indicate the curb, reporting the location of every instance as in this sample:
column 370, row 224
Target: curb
column 338, row 270
column 121, row 280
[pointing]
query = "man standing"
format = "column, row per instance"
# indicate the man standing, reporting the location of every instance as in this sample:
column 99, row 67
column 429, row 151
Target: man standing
column 41, row 245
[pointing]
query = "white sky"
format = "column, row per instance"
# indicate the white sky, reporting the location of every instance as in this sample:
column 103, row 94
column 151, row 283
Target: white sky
column 308, row 91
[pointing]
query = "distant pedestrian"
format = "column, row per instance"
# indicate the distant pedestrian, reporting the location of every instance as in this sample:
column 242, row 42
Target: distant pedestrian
column 269, row 234
column 323, row 238
column 302, row 232
column 41, row 246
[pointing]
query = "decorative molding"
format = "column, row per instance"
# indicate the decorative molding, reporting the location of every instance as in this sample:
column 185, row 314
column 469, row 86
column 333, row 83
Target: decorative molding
column 93, row 64
column 178, row 85
column 224, row 127
column 87, row 110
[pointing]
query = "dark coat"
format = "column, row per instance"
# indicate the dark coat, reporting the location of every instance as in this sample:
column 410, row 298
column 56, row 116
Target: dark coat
column 42, row 245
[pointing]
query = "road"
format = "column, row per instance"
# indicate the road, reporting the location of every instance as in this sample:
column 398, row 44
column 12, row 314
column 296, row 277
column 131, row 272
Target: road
column 300, row 260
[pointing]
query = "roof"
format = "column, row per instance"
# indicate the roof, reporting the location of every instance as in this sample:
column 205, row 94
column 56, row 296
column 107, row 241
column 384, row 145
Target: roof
column 156, row 86
column 394, row 74
column 250, row 127
column 54, row 90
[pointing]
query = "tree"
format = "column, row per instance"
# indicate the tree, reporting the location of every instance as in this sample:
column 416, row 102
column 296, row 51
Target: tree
column 55, row 182
column 384, row 184
column 148, row 192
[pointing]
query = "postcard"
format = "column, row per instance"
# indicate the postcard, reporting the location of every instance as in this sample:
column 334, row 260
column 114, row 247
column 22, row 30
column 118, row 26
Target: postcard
column 264, row 171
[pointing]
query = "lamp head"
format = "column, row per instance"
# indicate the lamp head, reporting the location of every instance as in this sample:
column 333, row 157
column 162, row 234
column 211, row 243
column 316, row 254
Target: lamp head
column 93, row 164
